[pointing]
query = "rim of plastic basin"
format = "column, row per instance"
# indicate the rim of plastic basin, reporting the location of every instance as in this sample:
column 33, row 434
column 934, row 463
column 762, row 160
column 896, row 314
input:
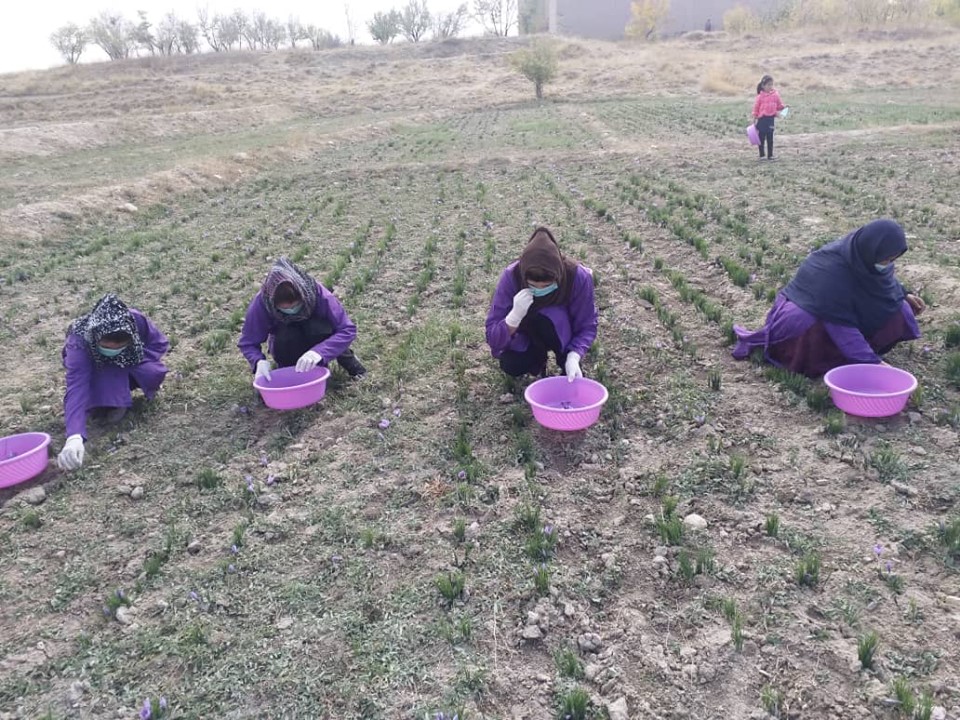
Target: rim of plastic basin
column 839, row 388
column 310, row 383
column 564, row 411
column 35, row 449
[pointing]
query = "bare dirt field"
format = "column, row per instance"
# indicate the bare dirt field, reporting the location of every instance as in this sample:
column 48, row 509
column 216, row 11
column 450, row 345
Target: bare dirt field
column 415, row 544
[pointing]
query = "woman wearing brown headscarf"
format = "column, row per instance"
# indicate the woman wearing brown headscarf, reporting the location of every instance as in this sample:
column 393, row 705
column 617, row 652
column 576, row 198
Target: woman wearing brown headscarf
column 543, row 302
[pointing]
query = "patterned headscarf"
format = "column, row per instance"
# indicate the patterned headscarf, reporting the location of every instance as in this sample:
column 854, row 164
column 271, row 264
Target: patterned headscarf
column 284, row 271
column 110, row 315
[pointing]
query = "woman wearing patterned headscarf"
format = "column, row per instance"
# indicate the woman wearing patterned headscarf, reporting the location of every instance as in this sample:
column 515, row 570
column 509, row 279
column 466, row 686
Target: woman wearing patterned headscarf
column 543, row 302
column 845, row 305
column 107, row 353
column 302, row 322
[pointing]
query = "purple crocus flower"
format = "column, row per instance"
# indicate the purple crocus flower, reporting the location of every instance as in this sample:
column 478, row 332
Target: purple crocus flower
column 231, row 568
column 462, row 475
column 889, row 567
column 194, row 596
column 163, row 703
column 548, row 530
column 120, row 595
column 234, row 549
column 271, row 479
column 264, row 460
column 396, row 412
column 146, row 712
column 383, row 424
column 878, row 550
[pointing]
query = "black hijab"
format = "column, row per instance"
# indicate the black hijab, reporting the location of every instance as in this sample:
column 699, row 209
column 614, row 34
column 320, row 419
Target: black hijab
column 110, row 315
column 839, row 284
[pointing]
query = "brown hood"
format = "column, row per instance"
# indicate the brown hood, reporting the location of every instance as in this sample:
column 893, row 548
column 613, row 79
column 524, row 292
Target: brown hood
column 541, row 257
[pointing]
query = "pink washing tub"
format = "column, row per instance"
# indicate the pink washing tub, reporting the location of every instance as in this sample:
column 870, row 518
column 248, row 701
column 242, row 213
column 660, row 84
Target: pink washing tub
column 288, row 389
column 752, row 135
column 562, row 405
column 22, row 457
column 870, row 390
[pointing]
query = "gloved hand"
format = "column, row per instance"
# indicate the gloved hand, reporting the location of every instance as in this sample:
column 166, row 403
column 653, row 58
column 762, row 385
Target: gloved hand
column 308, row 361
column 263, row 370
column 572, row 366
column 521, row 304
column 71, row 457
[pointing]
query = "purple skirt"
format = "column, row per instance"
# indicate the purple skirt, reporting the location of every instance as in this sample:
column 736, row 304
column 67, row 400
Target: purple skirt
column 797, row 341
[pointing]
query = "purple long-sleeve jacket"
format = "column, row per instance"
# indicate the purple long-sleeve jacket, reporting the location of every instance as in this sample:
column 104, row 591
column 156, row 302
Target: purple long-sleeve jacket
column 575, row 322
column 90, row 386
column 259, row 327
column 786, row 320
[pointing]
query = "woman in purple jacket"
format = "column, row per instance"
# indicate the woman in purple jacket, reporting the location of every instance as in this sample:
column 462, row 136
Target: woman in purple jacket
column 543, row 302
column 107, row 354
column 302, row 322
column 845, row 305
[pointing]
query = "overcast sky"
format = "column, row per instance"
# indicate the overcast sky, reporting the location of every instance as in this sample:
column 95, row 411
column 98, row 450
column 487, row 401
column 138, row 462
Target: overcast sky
column 26, row 24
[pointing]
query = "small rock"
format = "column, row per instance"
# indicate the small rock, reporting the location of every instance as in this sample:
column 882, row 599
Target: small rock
column 695, row 522
column 917, row 450
column 533, row 618
column 690, row 671
column 473, row 530
column 568, row 610
column 285, row 622
column 915, row 418
column 124, row 615
column 531, row 632
column 268, row 500
column 34, row 496
column 194, row 547
column 904, row 489
column 939, row 713
column 618, row 710
column 589, row 642
column 591, row 671
column 124, row 489
column 76, row 692
column 128, row 208
column 506, row 399
column 137, row 492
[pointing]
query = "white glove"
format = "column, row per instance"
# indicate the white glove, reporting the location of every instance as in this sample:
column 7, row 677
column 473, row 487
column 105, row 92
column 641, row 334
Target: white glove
column 308, row 361
column 572, row 366
column 71, row 457
column 263, row 370
column 521, row 304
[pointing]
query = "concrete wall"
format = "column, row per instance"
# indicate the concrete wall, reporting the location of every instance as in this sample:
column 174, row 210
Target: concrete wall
column 607, row 19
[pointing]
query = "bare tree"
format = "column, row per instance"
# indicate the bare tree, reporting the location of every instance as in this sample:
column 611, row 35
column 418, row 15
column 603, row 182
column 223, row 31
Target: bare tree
column 188, row 37
column 351, row 24
column 236, row 24
column 167, row 37
column 296, row 31
column 448, row 25
column 321, row 39
column 415, row 20
column 114, row 34
column 384, row 27
column 497, row 17
column 142, row 34
column 275, row 34
column 70, row 41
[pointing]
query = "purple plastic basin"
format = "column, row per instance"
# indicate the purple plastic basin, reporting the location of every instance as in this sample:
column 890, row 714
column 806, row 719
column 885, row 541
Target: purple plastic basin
column 870, row 390
column 22, row 457
column 753, row 135
column 288, row 389
column 562, row 405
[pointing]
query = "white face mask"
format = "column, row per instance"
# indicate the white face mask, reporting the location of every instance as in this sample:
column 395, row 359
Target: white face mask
column 883, row 268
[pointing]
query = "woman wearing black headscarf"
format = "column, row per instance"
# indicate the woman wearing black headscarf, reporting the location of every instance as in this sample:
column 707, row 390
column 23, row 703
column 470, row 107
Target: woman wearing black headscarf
column 845, row 305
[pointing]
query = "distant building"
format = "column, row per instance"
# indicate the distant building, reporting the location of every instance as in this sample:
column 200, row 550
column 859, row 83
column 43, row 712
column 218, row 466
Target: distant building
column 608, row 19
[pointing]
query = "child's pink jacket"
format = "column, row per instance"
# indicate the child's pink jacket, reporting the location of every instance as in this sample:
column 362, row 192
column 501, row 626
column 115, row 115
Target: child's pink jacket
column 767, row 104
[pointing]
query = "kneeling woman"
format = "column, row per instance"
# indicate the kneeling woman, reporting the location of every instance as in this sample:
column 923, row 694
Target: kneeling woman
column 543, row 302
column 845, row 305
column 107, row 354
column 302, row 322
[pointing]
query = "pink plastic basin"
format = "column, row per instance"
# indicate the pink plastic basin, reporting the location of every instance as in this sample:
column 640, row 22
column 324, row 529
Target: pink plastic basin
column 22, row 457
column 753, row 135
column 562, row 405
column 870, row 390
column 289, row 390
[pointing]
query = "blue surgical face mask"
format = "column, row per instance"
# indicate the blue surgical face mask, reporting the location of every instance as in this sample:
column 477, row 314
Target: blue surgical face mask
column 109, row 352
column 541, row 292
column 292, row 310
column 883, row 268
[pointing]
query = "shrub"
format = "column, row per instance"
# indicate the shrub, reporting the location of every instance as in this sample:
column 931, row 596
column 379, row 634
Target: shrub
column 537, row 63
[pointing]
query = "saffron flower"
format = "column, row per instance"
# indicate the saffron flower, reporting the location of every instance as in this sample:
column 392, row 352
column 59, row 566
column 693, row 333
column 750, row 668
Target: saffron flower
column 383, row 424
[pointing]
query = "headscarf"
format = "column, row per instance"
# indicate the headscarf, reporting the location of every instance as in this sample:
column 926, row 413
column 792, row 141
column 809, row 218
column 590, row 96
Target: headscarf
column 542, row 256
column 839, row 283
column 284, row 271
column 110, row 315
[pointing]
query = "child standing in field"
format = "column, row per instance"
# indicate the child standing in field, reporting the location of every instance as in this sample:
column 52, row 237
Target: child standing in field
column 765, row 109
